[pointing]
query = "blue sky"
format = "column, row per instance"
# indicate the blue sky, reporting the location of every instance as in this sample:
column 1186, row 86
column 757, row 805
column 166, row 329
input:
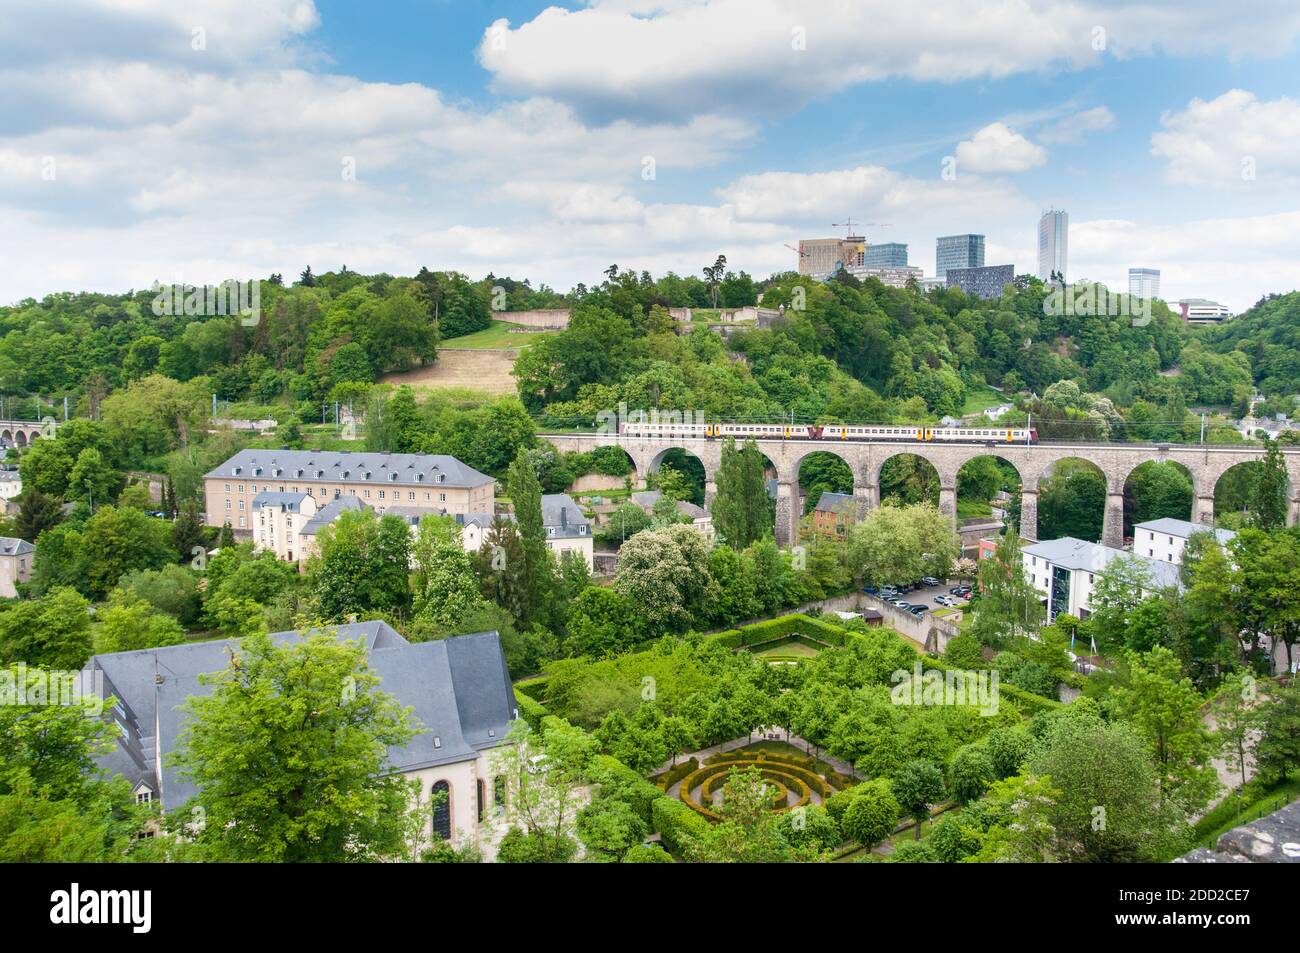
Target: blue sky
column 211, row 138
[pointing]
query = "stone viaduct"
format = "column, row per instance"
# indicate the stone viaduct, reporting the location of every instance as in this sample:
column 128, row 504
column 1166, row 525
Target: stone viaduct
column 19, row 433
column 1206, row 463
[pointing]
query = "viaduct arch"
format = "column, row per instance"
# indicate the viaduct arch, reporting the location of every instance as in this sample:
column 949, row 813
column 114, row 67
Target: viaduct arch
column 1205, row 462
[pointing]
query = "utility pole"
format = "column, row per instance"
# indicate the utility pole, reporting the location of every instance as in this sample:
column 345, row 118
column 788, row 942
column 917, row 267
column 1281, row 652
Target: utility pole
column 1202, row 428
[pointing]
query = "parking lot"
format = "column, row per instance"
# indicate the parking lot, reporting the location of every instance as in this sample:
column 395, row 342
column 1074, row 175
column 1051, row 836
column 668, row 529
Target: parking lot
column 925, row 595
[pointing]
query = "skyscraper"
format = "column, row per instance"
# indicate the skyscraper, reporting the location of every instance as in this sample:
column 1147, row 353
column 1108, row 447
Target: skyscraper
column 1053, row 243
column 958, row 251
column 886, row 255
column 1144, row 283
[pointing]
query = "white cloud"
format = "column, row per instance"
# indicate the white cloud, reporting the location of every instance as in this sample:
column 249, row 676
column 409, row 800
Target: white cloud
column 998, row 148
column 1077, row 127
column 685, row 58
column 1233, row 141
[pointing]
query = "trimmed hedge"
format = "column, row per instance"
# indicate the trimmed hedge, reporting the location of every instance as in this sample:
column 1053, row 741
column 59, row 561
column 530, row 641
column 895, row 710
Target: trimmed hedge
column 625, row 784
column 676, row 823
column 677, row 772
column 530, row 710
column 534, row 688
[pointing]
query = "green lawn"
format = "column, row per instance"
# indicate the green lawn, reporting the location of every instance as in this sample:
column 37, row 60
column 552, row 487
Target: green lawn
column 789, row 649
column 981, row 400
column 967, row 509
column 497, row 336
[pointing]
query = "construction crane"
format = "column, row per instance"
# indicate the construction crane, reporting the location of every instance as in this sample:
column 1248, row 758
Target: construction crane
column 798, row 251
column 850, row 223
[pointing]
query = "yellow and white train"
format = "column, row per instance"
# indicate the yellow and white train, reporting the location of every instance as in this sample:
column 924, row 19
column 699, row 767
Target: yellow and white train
column 787, row 431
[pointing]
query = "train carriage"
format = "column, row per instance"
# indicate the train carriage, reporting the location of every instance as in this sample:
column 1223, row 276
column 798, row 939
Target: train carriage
column 788, row 431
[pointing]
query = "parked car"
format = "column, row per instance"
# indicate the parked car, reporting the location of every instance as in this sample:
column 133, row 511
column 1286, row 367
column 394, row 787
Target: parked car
column 871, row 590
column 945, row 601
column 899, row 603
column 918, row 610
column 960, row 590
column 930, row 581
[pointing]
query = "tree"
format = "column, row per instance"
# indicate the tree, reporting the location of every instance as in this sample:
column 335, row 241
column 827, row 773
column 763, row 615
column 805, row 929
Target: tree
column 499, row 565
column 609, row 828
column 604, row 621
column 626, row 521
column 312, row 710
column 128, row 623
column 1109, row 807
column 748, row 831
column 1236, row 718
column 44, row 467
column 53, row 632
column 1269, row 504
column 362, row 566
column 446, row 591
column 92, row 479
column 542, row 771
column 535, row 576
column 1277, row 753
column 665, row 574
column 902, row 543
column 872, row 814
column 1166, row 709
column 37, row 512
column 740, row 508
column 970, row 773
column 918, row 785
column 1026, row 835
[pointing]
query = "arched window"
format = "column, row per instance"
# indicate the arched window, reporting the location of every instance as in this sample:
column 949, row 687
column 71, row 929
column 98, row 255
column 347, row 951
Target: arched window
column 441, row 797
column 481, row 799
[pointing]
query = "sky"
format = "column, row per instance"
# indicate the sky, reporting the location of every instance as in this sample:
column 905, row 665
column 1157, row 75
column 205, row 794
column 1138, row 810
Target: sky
column 198, row 140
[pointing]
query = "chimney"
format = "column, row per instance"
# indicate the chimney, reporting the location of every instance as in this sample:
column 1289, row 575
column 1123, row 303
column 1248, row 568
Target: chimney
column 564, row 517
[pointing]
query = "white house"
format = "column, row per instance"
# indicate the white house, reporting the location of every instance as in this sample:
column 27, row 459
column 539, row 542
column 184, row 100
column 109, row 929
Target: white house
column 1065, row 571
column 1166, row 538
column 567, row 528
column 459, row 689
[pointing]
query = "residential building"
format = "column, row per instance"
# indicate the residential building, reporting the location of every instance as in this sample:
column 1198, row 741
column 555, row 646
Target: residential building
column 11, row 484
column 1166, row 538
column 834, row 514
column 1203, row 311
column 567, row 528
column 1065, row 570
column 1144, row 283
column 958, row 251
column 896, row 276
column 1053, row 244
column 824, row 256
column 308, row 544
column 15, row 564
column 886, row 255
column 986, row 282
column 434, row 483
column 459, row 690
column 701, row 519
column 278, row 521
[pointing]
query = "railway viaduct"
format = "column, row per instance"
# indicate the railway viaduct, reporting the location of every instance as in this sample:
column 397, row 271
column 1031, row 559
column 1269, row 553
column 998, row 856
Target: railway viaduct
column 19, row 433
column 1206, row 463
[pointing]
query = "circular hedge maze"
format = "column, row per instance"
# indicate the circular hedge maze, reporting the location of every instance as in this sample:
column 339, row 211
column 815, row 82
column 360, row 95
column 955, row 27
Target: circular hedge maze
column 791, row 785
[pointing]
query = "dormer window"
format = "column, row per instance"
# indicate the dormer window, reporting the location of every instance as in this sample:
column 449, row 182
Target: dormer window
column 236, row 471
column 345, row 474
column 320, row 474
column 366, row 475
column 392, row 478
column 442, row 478
column 419, row 477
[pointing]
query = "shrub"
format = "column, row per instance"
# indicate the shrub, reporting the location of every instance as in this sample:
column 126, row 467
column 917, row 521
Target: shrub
column 970, row 772
column 676, row 823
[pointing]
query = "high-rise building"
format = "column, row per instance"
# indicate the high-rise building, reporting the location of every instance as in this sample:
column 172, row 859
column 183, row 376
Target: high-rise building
column 1144, row 283
column 822, row 256
column 958, row 251
column 886, row 255
column 1053, row 244
column 984, row 282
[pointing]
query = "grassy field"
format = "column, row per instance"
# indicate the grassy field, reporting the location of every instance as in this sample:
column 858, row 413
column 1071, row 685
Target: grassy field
column 788, row 649
column 502, row 334
column 981, row 400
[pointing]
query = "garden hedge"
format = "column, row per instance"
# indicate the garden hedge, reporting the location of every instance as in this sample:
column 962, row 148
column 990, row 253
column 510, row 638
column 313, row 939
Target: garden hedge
column 1027, row 702
column 676, row 823
column 530, row 710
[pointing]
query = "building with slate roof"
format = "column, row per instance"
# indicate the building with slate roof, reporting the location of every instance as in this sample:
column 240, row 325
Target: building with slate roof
column 834, row 514
column 15, row 564
column 1066, row 569
column 459, row 689
column 1165, row 538
column 435, row 483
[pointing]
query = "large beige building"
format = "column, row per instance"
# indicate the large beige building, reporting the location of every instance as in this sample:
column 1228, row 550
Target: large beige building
column 432, row 482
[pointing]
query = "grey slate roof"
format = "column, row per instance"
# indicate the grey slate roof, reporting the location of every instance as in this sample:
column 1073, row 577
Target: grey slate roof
column 11, row 546
column 1070, row 553
column 290, row 501
column 1184, row 529
column 330, row 512
column 459, row 689
column 410, row 469
column 647, row 499
column 564, row 516
column 834, row 502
